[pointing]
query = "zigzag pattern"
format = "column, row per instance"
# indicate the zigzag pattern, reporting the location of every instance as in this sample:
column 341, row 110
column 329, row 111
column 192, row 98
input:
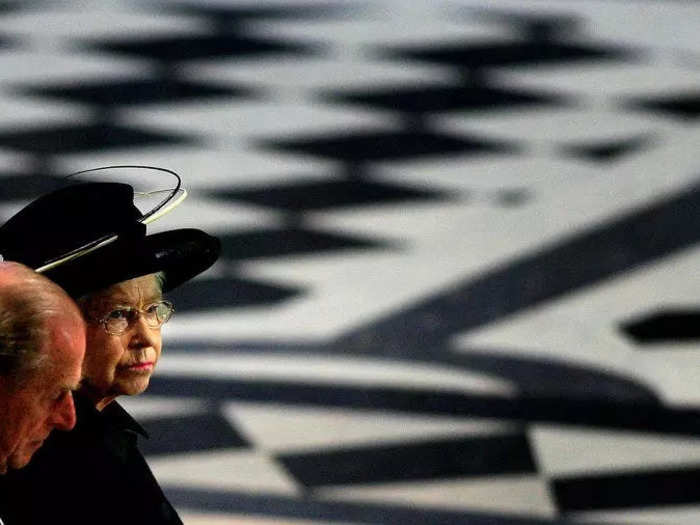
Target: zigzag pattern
column 458, row 281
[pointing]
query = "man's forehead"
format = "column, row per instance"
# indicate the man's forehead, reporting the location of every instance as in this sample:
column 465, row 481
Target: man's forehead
column 63, row 350
column 66, row 333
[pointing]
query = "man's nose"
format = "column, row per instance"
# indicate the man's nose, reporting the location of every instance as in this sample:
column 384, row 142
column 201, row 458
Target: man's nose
column 63, row 418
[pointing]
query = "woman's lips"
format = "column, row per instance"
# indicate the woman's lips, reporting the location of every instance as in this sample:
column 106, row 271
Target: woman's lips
column 146, row 365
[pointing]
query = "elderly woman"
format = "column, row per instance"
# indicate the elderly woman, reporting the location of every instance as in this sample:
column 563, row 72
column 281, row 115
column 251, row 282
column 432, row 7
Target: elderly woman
column 96, row 474
column 123, row 326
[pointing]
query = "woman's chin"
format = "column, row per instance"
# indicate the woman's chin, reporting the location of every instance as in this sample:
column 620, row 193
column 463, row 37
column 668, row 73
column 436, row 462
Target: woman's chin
column 132, row 381
column 134, row 386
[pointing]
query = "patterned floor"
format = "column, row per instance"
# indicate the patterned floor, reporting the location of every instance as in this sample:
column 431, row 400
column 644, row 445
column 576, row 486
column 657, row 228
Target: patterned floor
column 460, row 270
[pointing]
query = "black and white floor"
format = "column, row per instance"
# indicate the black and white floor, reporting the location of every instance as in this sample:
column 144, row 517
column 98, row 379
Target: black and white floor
column 460, row 276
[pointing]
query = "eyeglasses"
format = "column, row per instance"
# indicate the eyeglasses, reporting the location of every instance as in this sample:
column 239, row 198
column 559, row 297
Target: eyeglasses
column 120, row 319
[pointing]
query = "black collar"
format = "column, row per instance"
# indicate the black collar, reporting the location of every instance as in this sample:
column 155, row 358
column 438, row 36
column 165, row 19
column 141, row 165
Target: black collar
column 113, row 415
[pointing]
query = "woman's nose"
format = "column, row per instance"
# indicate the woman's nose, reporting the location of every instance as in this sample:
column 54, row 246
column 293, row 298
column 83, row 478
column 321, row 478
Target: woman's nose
column 142, row 334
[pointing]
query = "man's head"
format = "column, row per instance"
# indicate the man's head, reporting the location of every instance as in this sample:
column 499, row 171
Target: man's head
column 42, row 343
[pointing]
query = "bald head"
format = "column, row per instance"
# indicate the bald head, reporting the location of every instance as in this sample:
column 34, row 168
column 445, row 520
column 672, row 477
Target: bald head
column 42, row 344
column 28, row 301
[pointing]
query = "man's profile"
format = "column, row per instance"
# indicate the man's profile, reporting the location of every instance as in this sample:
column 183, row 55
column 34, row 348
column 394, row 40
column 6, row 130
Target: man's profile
column 42, row 343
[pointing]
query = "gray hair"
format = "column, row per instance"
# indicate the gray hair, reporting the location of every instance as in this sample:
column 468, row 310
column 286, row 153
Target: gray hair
column 27, row 301
column 86, row 302
column 161, row 280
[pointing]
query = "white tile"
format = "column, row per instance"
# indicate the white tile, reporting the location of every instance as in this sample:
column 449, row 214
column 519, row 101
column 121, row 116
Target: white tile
column 22, row 113
column 284, row 428
column 477, row 176
column 239, row 470
column 508, row 495
column 73, row 22
column 612, row 81
column 27, row 66
column 148, row 406
column 661, row 515
column 552, row 128
column 311, row 76
column 386, row 24
column 246, row 121
column 565, row 451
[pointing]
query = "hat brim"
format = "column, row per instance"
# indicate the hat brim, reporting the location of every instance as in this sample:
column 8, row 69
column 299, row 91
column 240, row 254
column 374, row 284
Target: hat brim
column 179, row 254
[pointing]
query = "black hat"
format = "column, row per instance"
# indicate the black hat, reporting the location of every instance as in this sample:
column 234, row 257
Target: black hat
column 99, row 225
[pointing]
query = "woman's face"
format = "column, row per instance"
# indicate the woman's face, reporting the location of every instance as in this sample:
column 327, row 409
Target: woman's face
column 122, row 364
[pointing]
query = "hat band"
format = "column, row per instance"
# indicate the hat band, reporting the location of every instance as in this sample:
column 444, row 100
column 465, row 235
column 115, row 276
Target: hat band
column 135, row 230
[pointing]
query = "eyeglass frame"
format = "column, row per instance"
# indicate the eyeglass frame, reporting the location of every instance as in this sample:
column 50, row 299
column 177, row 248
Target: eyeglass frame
column 141, row 311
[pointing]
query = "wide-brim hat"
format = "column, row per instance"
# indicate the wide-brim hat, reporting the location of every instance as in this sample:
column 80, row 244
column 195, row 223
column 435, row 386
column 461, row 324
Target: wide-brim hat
column 89, row 236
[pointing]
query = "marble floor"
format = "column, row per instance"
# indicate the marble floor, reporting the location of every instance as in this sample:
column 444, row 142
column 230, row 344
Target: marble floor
column 459, row 279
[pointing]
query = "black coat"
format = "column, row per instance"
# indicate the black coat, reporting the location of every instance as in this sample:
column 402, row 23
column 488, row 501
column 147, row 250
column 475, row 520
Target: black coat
column 92, row 474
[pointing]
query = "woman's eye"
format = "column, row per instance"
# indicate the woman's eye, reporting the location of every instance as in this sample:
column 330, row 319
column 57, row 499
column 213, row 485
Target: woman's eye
column 119, row 314
column 153, row 309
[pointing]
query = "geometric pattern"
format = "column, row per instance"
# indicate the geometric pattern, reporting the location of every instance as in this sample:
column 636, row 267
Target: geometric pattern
column 460, row 247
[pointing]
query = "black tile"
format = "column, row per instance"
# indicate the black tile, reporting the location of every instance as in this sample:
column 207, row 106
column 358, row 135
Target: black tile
column 608, row 151
column 641, row 489
column 285, row 242
column 429, row 460
column 192, row 47
column 385, row 146
column 470, row 55
column 684, row 106
column 440, row 99
column 664, row 326
column 88, row 137
column 189, row 433
column 135, row 92
column 228, row 292
column 316, row 195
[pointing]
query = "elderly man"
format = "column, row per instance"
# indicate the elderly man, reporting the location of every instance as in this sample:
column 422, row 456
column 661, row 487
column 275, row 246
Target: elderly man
column 42, row 343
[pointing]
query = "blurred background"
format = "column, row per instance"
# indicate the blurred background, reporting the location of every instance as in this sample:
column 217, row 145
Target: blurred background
column 459, row 281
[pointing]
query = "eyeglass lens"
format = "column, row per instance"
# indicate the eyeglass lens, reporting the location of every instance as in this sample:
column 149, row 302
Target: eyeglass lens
column 155, row 315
